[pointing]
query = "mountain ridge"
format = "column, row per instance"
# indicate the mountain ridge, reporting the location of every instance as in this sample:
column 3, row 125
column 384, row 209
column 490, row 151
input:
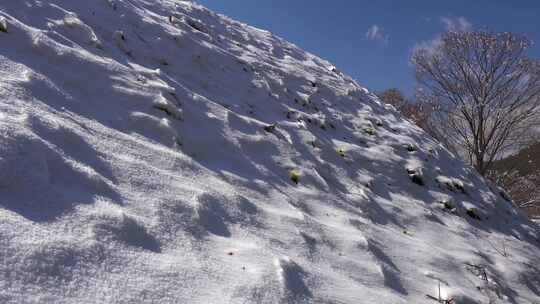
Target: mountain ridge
column 156, row 152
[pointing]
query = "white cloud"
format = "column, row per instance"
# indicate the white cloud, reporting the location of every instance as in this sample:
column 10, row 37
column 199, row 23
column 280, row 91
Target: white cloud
column 450, row 24
column 456, row 24
column 429, row 45
column 376, row 32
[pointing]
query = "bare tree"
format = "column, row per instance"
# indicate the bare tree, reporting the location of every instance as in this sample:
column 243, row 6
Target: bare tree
column 524, row 189
column 415, row 110
column 394, row 97
column 484, row 91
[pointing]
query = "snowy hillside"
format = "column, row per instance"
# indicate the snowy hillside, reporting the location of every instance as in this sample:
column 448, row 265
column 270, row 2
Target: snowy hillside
column 155, row 152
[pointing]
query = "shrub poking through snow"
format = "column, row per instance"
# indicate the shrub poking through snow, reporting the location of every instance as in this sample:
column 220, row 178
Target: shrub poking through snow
column 119, row 36
column 416, row 176
column 458, row 185
column 294, row 115
column 178, row 141
column 448, row 206
column 197, row 25
column 369, row 130
column 3, row 25
column 163, row 108
column 477, row 270
column 120, row 39
column 473, row 213
column 451, row 184
column 270, row 128
column 407, row 232
column 162, row 104
column 334, row 69
column 410, row 147
column 295, row 176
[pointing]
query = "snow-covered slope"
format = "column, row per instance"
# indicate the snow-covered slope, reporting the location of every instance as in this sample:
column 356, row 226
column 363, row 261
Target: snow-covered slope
column 155, row 152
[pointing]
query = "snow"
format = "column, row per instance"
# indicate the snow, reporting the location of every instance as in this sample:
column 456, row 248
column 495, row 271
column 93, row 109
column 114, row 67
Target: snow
column 147, row 151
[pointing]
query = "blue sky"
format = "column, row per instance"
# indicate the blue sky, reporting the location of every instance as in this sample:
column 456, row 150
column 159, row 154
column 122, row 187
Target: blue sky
column 372, row 40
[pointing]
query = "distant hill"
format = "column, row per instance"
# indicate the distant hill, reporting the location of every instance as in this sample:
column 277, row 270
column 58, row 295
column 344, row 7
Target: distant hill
column 526, row 161
column 524, row 186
